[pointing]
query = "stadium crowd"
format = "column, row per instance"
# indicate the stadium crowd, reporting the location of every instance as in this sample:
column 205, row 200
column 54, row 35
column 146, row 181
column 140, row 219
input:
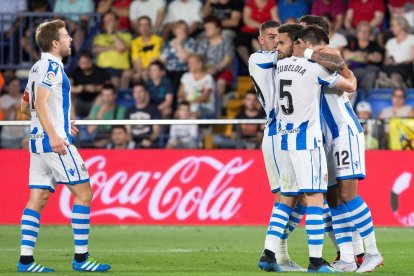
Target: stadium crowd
column 187, row 59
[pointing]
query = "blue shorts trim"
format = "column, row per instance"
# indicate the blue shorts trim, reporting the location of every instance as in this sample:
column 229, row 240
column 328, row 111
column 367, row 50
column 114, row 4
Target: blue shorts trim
column 354, row 176
column 289, row 193
column 43, row 187
column 75, row 182
column 334, row 186
column 311, row 191
column 275, row 190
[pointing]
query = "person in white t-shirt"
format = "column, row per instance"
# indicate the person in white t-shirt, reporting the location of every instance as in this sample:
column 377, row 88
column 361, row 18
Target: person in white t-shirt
column 154, row 9
column 398, row 108
column 399, row 51
column 183, row 136
column 336, row 40
column 198, row 88
column 189, row 11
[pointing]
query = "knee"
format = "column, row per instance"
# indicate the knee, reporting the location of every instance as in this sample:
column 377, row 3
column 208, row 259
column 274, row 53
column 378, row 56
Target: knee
column 38, row 200
column 347, row 195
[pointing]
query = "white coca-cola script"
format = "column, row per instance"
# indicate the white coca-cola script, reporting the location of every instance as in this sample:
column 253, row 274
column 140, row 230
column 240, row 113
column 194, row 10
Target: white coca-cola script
column 174, row 192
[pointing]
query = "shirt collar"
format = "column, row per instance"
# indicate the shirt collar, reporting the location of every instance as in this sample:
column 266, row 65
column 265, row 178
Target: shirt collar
column 52, row 57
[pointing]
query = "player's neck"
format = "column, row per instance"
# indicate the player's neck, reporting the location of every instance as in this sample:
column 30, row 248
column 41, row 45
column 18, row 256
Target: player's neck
column 55, row 54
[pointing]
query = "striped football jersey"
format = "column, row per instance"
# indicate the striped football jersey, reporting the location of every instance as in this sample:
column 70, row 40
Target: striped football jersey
column 299, row 82
column 338, row 116
column 48, row 73
column 262, row 69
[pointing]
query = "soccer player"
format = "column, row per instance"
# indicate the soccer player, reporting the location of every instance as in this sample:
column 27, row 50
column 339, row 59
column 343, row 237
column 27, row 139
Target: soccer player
column 53, row 159
column 299, row 150
column 345, row 153
column 262, row 66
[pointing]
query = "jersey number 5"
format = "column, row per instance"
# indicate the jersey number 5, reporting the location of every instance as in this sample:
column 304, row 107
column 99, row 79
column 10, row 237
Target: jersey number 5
column 288, row 108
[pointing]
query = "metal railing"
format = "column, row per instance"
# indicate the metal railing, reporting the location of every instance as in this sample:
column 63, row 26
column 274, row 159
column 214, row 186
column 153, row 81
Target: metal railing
column 18, row 48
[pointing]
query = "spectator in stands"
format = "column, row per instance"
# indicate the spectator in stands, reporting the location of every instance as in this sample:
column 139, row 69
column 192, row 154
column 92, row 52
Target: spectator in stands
column 364, row 112
column 70, row 6
column 228, row 12
column 112, row 50
column 218, row 53
column 120, row 138
column 187, row 10
column 183, row 136
column 399, row 52
column 154, row 9
column 176, row 52
column 289, row 9
column 106, row 110
column 119, row 7
column 160, row 89
column 12, row 136
column 335, row 9
column 255, row 12
column 244, row 135
column 198, row 88
column 145, row 136
column 336, row 39
column 364, row 56
column 145, row 49
column 398, row 108
column 403, row 8
column 371, row 11
column 87, row 82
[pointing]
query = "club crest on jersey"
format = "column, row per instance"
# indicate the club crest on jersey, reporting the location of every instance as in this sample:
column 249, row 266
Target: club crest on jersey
column 83, row 167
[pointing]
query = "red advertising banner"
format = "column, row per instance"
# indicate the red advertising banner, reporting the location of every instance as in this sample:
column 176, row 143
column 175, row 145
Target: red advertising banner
column 195, row 187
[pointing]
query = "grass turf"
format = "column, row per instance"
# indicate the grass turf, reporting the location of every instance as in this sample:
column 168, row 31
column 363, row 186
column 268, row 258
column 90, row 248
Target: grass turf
column 149, row 250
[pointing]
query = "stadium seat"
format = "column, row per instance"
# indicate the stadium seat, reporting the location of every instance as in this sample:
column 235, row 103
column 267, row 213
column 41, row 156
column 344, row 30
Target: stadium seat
column 378, row 104
column 410, row 97
column 244, row 84
column 125, row 98
column 380, row 93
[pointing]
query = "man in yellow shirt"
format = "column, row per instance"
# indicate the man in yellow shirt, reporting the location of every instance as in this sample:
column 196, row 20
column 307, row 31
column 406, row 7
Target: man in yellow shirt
column 112, row 50
column 145, row 49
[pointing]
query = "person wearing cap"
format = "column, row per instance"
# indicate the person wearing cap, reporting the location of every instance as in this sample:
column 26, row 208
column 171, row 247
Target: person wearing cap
column 364, row 112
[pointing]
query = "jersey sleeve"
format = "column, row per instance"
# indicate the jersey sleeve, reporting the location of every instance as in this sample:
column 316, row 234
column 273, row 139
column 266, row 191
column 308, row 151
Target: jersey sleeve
column 26, row 95
column 47, row 75
column 328, row 79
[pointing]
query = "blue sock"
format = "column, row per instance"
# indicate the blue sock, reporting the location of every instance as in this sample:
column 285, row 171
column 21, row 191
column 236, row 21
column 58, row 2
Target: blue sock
column 80, row 225
column 361, row 217
column 315, row 230
column 30, row 228
column 277, row 225
column 343, row 228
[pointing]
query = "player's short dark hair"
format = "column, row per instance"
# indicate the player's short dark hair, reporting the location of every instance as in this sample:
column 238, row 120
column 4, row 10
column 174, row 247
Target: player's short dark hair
column 119, row 127
column 315, row 35
column 268, row 24
column 315, row 20
column 110, row 86
column 159, row 64
column 292, row 30
column 47, row 32
column 214, row 20
column 145, row 17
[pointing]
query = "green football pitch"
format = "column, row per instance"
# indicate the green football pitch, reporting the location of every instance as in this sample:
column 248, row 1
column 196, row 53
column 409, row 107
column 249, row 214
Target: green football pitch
column 150, row 250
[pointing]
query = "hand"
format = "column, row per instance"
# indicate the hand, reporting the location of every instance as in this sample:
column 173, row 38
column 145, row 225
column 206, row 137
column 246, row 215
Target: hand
column 299, row 48
column 146, row 143
column 73, row 129
column 90, row 88
column 58, row 144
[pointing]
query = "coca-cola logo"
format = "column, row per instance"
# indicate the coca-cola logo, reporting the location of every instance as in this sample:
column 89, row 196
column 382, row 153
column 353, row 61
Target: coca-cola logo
column 159, row 195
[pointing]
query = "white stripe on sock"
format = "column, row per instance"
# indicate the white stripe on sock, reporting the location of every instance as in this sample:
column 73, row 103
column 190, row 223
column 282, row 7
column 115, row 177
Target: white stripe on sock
column 80, row 226
column 29, row 227
column 30, row 218
column 314, row 217
column 80, row 216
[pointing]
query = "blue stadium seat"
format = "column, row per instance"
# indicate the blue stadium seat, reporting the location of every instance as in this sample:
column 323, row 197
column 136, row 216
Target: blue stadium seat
column 125, row 98
column 380, row 93
column 378, row 104
column 410, row 97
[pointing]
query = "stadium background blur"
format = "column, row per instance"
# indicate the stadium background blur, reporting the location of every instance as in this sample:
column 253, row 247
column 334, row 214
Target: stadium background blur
column 122, row 67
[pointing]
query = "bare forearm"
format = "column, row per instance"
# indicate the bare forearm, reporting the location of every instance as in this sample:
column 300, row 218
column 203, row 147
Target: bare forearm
column 331, row 62
column 43, row 114
column 119, row 43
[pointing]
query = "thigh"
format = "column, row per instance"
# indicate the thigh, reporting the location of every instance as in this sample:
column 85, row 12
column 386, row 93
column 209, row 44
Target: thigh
column 69, row 168
column 40, row 175
column 349, row 156
column 311, row 170
column 270, row 161
column 330, row 163
column 287, row 178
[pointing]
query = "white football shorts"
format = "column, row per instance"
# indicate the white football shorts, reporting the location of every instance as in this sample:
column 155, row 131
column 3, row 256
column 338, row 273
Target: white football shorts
column 49, row 169
column 302, row 171
column 346, row 158
column 272, row 170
